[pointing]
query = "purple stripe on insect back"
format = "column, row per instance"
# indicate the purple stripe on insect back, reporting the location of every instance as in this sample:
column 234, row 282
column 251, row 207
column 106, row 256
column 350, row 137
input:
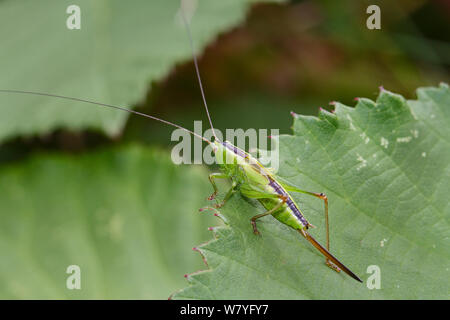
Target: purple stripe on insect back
column 237, row 151
column 279, row 190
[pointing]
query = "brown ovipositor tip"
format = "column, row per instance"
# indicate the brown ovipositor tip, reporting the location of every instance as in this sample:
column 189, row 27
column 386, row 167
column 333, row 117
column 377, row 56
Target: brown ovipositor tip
column 328, row 255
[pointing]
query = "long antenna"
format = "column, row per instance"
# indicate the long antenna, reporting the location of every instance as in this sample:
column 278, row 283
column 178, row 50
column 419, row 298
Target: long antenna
column 197, row 71
column 105, row 105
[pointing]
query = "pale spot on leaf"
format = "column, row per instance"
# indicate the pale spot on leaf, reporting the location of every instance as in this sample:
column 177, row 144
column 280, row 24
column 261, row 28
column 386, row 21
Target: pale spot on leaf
column 363, row 162
column 404, row 139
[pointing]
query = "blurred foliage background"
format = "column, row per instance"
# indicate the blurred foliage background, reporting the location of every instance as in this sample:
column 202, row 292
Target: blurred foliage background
column 301, row 56
column 295, row 56
column 275, row 58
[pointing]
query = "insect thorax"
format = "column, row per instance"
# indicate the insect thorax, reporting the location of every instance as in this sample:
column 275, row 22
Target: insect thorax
column 240, row 166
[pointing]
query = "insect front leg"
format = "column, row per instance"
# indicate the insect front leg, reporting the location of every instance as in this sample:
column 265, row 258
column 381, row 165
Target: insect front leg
column 212, row 177
column 227, row 195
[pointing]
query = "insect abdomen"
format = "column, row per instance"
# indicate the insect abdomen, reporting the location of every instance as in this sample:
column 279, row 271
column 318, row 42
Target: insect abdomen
column 290, row 214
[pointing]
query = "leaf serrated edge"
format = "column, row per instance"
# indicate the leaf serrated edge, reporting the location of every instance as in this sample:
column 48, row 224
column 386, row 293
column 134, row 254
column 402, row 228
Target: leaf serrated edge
column 218, row 232
column 323, row 116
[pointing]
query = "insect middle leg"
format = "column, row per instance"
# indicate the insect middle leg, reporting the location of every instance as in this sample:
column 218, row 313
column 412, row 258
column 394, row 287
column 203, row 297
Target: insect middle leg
column 271, row 211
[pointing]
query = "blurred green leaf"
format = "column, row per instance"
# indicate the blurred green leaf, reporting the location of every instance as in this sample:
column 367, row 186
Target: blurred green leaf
column 385, row 168
column 118, row 51
column 126, row 216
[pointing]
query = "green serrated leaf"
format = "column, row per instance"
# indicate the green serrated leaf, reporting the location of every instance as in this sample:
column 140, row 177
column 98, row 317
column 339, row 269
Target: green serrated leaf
column 118, row 51
column 385, row 168
column 123, row 215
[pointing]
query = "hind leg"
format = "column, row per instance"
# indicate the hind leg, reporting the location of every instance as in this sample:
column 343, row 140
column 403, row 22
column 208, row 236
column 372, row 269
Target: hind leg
column 327, row 227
